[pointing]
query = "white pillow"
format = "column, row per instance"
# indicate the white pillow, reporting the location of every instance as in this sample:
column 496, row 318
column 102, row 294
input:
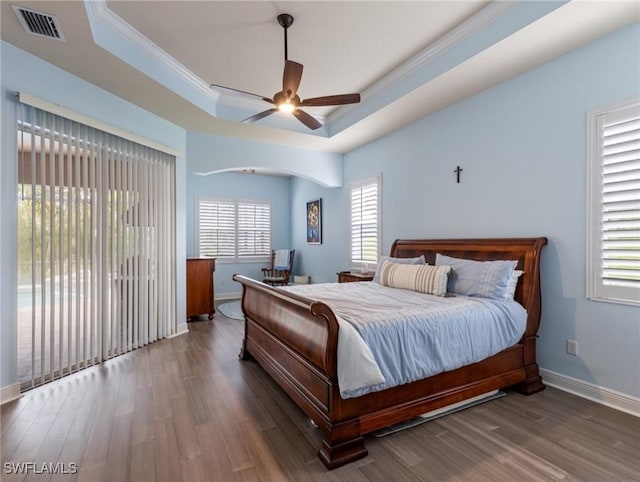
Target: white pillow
column 417, row 260
column 431, row 280
column 513, row 283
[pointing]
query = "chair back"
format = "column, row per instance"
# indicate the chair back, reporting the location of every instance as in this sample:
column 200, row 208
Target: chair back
column 279, row 272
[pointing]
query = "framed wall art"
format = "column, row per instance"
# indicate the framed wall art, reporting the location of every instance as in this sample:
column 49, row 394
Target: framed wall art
column 314, row 222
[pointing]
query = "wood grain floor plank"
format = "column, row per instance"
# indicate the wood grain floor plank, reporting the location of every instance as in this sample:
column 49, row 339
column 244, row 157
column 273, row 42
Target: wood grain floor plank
column 186, row 409
column 143, row 461
column 119, row 452
column 184, row 426
column 167, row 461
column 215, row 460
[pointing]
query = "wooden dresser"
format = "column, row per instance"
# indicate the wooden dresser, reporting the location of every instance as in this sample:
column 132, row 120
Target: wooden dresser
column 353, row 276
column 200, row 286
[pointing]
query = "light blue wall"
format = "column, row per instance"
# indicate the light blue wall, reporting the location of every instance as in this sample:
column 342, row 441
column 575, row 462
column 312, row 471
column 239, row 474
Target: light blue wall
column 231, row 185
column 320, row 261
column 213, row 153
column 21, row 71
column 522, row 145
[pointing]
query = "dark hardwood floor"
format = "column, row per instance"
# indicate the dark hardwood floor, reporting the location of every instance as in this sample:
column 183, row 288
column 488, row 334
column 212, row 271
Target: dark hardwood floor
column 188, row 409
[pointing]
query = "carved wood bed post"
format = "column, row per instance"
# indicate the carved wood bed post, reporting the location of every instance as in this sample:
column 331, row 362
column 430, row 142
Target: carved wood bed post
column 533, row 382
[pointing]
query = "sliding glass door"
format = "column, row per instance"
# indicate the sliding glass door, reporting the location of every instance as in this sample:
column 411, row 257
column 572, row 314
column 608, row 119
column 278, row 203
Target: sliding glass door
column 96, row 246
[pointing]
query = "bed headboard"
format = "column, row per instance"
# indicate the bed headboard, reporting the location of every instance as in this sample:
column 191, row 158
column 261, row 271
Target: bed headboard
column 524, row 250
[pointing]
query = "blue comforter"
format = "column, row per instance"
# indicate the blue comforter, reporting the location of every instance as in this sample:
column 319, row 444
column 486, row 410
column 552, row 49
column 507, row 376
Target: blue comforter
column 414, row 335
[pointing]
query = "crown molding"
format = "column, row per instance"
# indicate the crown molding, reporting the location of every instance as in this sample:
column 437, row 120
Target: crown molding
column 466, row 29
column 100, row 11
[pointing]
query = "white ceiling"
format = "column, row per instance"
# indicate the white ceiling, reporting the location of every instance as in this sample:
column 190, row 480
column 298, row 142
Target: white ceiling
column 407, row 59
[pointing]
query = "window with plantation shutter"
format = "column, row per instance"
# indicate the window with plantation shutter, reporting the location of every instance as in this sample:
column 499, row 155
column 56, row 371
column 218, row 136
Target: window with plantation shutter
column 614, row 204
column 365, row 222
column 216, row 228
column 234, row 230
column 254, row 230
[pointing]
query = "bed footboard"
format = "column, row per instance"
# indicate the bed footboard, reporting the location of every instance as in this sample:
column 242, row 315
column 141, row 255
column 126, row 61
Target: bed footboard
column 295, row 340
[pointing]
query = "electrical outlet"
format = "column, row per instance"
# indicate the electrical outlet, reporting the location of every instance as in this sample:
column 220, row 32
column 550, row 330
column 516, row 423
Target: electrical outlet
column 572, row 347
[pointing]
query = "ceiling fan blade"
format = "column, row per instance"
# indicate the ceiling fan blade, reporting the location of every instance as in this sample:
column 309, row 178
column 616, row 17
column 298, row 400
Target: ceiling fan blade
column 331, row 100
column 291, row 78
column 306, row 119
column 261, row 115
column 232, row 90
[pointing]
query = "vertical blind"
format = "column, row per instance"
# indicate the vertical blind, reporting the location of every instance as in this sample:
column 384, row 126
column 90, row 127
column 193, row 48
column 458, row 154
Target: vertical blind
column 96, row 245
column 365, row 226
column 618, row 187
column 233, row 229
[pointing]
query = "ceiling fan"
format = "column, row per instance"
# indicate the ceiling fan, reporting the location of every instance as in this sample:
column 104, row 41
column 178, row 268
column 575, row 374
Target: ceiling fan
column 287, row 100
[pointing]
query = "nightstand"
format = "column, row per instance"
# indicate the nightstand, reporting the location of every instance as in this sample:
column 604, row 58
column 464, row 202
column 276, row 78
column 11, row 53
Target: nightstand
column 352, row 276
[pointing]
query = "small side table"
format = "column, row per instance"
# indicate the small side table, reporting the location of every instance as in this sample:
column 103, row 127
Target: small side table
column 353, row 277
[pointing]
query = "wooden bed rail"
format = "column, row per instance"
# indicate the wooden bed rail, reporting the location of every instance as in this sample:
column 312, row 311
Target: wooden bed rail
column 308, row 327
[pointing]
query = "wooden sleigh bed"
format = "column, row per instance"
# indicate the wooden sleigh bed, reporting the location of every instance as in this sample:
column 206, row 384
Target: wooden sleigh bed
column 295, row 340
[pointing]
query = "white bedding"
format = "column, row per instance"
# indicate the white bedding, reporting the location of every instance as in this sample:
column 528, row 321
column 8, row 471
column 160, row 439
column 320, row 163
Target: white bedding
column 391, row 336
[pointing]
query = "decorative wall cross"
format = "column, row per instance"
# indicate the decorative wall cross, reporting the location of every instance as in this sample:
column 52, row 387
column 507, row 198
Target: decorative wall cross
column 458, row 170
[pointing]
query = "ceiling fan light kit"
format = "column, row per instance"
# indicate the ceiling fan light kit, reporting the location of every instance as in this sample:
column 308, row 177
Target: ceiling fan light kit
column 287, row 100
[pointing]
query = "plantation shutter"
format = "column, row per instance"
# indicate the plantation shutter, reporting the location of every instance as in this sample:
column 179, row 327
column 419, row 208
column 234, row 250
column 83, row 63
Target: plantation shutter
column 217, row 225
column 254, row 230
column 234, row 230
column 617, row 183
column 365, row 226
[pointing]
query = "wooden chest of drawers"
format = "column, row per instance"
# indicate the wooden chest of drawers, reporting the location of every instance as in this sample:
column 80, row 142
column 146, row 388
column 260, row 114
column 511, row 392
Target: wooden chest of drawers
column 200, row 294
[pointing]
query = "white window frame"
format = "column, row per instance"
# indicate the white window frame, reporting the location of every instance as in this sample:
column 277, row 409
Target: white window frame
column 236, row 258
column 597, row 288
column 359, row 265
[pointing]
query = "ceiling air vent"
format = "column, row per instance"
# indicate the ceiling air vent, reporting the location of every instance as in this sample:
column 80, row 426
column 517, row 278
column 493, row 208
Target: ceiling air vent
column 38, row 23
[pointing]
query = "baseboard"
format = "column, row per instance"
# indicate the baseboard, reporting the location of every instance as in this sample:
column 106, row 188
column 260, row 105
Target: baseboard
column 183, row 329
column 223, row 298
column 604, row 396
column 10, row 393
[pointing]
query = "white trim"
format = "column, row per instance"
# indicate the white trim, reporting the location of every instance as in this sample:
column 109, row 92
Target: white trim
column 359, row 184
column 456, row 36
column 101, row 11
column 10, row 393
column 603, row 396
column 91, row 122
column 228, row 296
column 183, row 330
column 594, row 289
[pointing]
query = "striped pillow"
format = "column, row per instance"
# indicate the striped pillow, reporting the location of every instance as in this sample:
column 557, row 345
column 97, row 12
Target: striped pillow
column 427, row 279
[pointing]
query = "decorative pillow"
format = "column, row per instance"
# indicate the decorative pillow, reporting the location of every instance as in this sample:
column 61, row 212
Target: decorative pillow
column 418, row 260
column 488, row 279
column 513, row 283
column 431, row 280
